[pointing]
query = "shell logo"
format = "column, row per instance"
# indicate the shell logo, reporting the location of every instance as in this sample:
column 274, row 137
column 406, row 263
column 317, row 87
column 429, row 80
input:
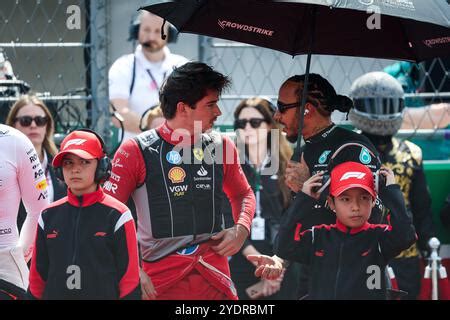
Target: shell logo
column 177, row 175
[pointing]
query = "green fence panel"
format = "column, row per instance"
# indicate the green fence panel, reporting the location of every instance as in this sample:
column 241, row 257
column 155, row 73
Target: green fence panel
column 438, row 178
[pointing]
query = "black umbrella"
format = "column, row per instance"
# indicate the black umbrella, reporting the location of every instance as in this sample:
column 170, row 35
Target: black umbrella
column 413, row 30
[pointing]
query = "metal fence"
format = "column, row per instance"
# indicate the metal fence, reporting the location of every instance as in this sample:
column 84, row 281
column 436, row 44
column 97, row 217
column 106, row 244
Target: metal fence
column 59, row 48
column 257, row 71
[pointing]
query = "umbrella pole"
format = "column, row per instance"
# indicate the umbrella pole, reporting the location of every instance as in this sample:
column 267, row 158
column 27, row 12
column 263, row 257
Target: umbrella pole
column 302, row 108
column 305, row 86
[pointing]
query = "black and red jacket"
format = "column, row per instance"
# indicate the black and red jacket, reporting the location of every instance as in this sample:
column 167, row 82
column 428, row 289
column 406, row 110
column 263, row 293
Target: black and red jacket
column 344, row 260
column 92, row 237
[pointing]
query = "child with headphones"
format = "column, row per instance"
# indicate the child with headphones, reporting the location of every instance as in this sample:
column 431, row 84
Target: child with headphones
column 86, row 246
column 348, row 258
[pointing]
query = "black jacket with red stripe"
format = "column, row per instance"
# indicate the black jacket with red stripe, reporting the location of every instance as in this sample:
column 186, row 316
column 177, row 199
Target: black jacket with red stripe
column 346, row 263
column 86, row 248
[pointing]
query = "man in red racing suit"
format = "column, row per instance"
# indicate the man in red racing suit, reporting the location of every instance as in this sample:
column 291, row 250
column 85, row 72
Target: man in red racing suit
column 178, row 175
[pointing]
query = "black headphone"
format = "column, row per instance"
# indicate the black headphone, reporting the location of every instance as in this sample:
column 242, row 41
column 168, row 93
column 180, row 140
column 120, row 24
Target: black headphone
column 365, row 157
column 104, row 166
column 133, row 31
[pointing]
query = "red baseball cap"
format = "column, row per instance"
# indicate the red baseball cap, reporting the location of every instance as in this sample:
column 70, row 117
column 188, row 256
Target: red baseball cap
column 349, row 175
column 83, row 144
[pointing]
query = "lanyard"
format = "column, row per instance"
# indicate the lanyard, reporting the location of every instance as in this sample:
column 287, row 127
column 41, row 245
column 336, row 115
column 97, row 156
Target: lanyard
column 153, row 78
column 258, row 186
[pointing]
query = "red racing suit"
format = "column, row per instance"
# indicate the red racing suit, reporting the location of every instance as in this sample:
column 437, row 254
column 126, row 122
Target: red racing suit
column 178, row 206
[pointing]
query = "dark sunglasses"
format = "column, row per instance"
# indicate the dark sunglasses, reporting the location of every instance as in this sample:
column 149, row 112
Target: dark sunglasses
column 254, row 122
column 282, row 107
column 25, row 121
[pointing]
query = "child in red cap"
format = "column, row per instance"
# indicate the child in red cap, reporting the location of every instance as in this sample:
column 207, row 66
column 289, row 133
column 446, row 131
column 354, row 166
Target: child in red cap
column 86, row 246
column 348, row 258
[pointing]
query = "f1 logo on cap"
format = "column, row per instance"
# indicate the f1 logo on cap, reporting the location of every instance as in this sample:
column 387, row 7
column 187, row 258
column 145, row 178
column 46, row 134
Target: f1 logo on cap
column 353, row 174
column 78, row 142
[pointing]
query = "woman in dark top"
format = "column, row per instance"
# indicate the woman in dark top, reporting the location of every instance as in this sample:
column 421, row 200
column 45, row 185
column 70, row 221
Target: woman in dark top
column 31, row 116
column 264, row 155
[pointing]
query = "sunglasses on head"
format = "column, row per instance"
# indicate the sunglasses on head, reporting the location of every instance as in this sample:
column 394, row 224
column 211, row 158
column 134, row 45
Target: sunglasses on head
column 25, row 121
column 282, row 107
column 242, row 123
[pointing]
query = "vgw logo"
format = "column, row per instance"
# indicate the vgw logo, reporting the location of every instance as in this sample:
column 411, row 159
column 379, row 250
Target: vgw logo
column 178, row 191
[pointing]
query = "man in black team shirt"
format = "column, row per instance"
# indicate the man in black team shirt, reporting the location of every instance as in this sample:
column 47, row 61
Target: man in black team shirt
column 322, row 138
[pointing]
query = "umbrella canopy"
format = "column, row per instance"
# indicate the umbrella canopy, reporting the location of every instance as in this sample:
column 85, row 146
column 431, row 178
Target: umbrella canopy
column 412, row 30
